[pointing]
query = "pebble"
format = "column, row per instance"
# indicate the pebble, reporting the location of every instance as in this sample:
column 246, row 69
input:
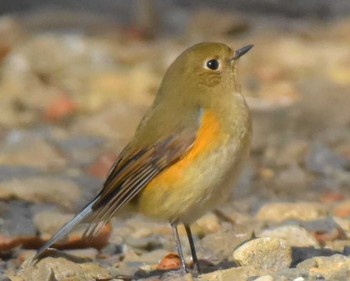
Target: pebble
column 335, row 267
column 81, row 150
column 219, row 246
column 292, row 180
column 238, row 273
column 22, row 149
column 320, row 159
column 294, row 235
column 42, row 190
column 209, row 223
column 16, row 219
column 62, row 269
column 170, row 262
column 278, row 212
column 266, row 252
column 342, row 209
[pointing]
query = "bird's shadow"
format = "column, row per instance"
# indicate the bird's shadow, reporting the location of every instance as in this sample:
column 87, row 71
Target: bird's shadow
column 53, row 253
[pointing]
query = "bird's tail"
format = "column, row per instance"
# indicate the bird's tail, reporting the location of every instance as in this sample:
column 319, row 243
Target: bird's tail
column 85, row 213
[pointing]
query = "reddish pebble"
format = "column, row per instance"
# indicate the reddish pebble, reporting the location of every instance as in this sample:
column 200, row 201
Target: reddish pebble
column 331, row 197
column 169, row 262
column 334, row 234
column 342, row 211
column 61, row 107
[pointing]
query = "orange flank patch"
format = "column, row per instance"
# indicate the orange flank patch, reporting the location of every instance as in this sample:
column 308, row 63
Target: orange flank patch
column 207, row 133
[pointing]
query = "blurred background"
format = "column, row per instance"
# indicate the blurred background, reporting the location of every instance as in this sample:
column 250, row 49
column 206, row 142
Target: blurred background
column 77, row 76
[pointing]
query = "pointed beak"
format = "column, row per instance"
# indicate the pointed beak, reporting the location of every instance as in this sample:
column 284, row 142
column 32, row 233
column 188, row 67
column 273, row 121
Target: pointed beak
column 240, row 52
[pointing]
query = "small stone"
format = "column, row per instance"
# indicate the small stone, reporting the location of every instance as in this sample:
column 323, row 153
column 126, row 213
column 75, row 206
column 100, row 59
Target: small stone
column 294, row 235
column 29, row 150
column 267, row 253
column 63, row 269
column 60, row 108
column 344, row 224
column 170, row 262
column 61, row 192
column 278, row 212
column 338, row 245
column 291, row 180
column 321, row 159
column 331, row 197
column 81, row 149
column 219, row 246
column 342, row 209
column 153, row 258
column 335, row 267
column 209, row 223
column 148, row 243
column 234, row 273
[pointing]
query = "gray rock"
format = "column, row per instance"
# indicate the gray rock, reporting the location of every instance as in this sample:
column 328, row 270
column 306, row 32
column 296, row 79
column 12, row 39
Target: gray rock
column 16, row 219
column 292, row 180
column 81, row 150
column 320, row 159
column 8, row 172
column 323, row 225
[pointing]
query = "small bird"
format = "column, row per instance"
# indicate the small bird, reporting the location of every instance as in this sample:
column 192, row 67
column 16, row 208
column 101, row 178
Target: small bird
column 187, row 151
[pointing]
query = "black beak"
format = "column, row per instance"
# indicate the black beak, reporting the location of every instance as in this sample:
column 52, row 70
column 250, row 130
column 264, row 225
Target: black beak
column 240, row 52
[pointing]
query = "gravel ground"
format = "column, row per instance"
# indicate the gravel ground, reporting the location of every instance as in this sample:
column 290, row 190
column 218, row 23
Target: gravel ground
column 69, row 102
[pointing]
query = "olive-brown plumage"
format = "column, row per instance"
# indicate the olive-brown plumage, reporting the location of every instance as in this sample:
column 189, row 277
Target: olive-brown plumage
column 187, row 151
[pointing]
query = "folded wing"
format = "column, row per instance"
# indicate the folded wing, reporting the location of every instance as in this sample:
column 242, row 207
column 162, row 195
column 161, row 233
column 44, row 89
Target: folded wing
column 133, row 170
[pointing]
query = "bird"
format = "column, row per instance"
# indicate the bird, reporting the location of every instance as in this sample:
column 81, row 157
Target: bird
column 186, row 153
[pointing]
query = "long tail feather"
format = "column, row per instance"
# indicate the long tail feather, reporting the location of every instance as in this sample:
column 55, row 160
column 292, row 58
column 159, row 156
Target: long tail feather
column 66, row 229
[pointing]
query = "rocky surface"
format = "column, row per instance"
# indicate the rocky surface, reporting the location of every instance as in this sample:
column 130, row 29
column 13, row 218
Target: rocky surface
column 70, row 101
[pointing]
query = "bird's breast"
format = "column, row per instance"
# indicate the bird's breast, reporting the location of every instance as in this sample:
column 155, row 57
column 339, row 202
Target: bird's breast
column 196, row 175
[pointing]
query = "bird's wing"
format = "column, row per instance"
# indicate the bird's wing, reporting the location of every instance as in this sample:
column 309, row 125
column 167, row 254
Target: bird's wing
column 133, row 170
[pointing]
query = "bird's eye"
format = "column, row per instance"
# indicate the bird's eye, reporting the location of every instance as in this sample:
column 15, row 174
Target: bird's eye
column 212, row 64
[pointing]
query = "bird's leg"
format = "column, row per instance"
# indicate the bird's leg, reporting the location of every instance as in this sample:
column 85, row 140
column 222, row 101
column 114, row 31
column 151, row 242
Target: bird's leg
column 193, row 249
column 178, row 246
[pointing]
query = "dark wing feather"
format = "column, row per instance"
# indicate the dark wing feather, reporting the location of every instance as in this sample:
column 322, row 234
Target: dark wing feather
column 132, row 171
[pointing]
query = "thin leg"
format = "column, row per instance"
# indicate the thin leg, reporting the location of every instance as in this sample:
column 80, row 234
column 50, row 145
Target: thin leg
column 193, row 249
column 178, row 246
